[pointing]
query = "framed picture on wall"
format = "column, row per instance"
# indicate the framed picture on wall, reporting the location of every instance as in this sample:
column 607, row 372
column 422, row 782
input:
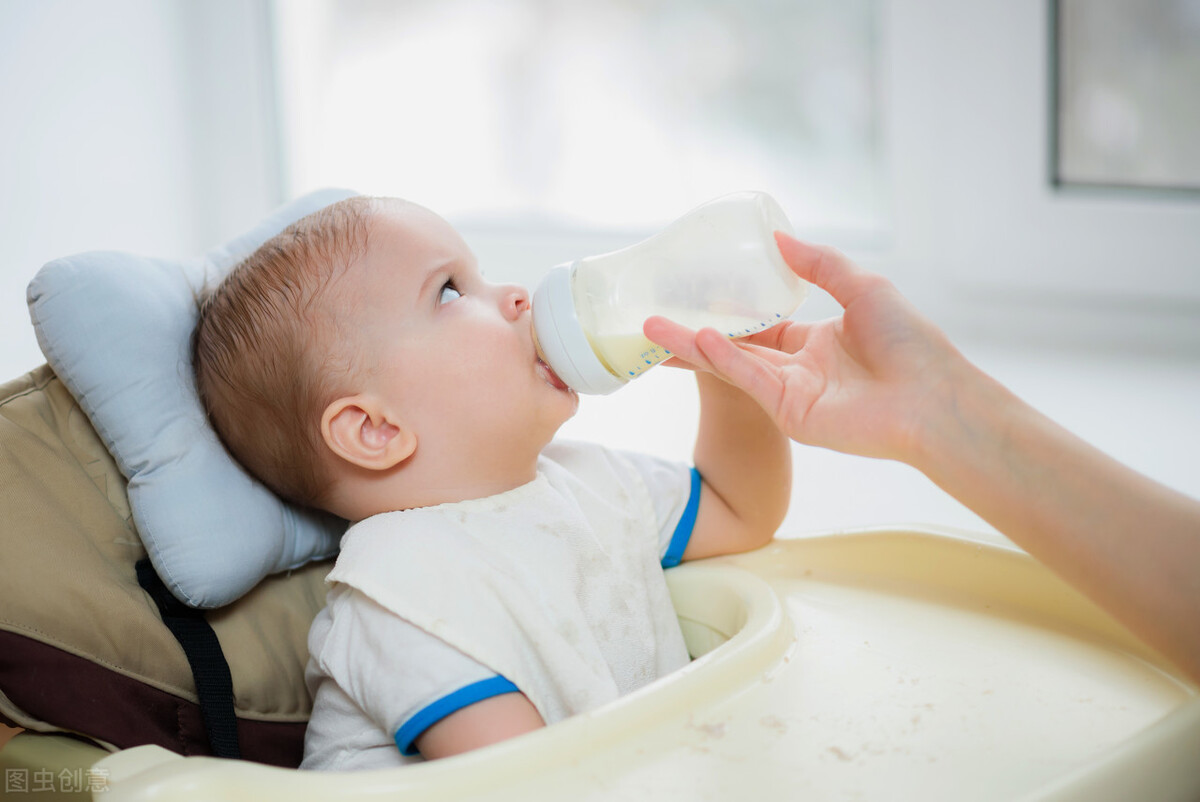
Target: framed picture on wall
column 1125, row 91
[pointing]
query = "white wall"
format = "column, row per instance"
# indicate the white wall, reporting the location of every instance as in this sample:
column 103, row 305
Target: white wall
column 148, row 125
column 138, row 125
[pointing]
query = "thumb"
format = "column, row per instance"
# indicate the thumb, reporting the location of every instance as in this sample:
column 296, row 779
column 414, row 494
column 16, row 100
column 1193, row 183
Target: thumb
column 824, row 266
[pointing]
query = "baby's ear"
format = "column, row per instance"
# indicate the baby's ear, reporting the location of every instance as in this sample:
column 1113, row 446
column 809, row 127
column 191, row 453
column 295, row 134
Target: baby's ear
column 360, row 430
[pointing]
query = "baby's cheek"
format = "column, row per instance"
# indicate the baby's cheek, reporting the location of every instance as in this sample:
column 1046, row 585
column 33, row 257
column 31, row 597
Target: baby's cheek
column 484, row 373
column 497, row 353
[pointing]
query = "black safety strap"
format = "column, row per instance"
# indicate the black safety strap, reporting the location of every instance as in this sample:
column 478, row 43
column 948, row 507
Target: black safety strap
column 214, row 684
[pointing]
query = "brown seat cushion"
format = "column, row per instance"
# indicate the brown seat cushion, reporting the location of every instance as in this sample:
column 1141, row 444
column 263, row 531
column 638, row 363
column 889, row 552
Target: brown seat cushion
column 82, row 647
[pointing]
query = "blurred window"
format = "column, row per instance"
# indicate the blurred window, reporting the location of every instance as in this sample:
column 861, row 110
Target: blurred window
column 623, row 114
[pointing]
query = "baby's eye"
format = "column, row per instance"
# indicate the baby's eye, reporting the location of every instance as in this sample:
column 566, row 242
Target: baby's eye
column 449, row 293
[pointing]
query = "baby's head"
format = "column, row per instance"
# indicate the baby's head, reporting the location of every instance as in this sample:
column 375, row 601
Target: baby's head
column 359, row 363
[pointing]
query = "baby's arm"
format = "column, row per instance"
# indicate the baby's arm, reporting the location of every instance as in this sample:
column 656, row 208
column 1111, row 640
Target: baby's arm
column 487, row 722
column 370, row 666
column 746, row 465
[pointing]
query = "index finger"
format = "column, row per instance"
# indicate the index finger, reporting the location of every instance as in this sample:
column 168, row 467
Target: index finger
column 679, row 340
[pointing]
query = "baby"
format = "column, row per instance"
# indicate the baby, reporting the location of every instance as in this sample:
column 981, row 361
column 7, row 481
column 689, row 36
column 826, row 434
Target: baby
column 492, row 581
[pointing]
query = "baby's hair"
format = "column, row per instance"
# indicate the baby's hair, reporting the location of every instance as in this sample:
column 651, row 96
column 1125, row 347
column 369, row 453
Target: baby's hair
column 263, row 355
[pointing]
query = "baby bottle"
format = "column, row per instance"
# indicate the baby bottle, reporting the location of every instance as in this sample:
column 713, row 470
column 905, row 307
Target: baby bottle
column 716, row 266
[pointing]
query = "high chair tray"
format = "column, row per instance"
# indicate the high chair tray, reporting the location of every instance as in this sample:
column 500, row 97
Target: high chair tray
column 880, row 664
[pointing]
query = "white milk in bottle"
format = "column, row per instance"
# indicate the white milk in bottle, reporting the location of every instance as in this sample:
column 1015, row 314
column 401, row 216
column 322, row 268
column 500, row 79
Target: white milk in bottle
column 717, row 266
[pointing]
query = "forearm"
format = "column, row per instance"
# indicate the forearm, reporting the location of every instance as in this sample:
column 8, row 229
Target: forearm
column 1127, row 542
column 743, row 456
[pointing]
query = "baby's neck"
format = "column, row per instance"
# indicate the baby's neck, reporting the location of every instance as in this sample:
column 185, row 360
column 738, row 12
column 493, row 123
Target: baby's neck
column 366, row 494
column 448, row 493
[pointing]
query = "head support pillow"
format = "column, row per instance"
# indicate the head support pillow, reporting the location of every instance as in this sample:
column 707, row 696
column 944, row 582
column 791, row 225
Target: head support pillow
column 116, row 328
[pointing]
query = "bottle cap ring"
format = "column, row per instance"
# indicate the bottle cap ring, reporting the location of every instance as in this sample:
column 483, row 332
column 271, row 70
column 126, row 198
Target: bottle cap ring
column 562, row 341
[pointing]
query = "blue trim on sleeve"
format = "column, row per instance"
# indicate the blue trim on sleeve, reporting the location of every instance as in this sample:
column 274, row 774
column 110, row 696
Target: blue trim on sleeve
column 683, row 530
column 434, row 712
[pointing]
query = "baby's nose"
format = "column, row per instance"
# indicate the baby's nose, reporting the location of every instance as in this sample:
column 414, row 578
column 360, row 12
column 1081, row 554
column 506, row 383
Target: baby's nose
column 516, row 300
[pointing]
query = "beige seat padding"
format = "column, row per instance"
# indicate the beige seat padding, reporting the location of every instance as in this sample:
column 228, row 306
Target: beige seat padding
column 69, row 550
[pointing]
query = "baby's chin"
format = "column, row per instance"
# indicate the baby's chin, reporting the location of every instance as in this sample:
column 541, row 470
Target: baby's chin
column 553, row 430
column 571, row 406
column 562, row 392
column 545, row 436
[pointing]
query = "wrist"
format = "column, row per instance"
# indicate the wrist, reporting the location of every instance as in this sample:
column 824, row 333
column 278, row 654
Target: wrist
column 721, row 399
column 968, row 412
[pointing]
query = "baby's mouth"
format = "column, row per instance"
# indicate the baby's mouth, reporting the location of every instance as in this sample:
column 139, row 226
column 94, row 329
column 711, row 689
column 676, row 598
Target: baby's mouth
column 550, row 376
column 543, row 366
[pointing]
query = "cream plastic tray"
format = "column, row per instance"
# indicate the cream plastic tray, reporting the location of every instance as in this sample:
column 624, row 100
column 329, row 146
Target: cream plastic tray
column 882, row 664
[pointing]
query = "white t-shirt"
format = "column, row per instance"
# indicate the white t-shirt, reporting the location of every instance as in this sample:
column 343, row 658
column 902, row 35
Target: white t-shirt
column 554, row 588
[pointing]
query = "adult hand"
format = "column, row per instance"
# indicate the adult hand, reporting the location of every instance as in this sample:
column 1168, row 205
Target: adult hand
column 867, row 383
